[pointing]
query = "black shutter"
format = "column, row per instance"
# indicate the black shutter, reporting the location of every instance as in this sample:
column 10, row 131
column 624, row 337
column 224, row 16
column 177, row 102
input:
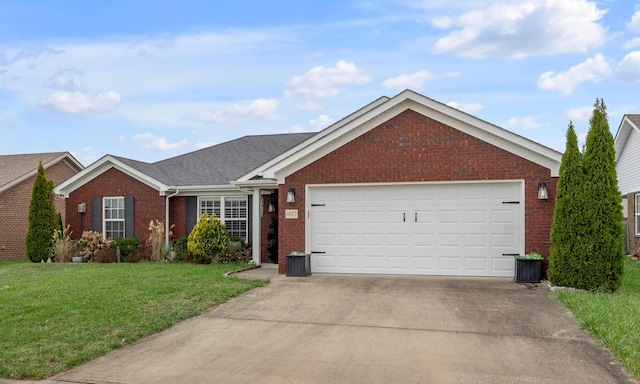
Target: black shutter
column 191, row 212
column 96, row 214
column 129, row 222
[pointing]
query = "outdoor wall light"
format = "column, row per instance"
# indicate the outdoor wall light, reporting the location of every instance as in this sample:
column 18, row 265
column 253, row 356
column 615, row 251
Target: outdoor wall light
column 272, row 207
column 291, row 195
column 542, row 191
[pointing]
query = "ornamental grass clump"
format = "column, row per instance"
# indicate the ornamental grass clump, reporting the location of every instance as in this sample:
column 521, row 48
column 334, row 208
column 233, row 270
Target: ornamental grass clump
column 208, row 238
column 156, row 240
column 63, row 248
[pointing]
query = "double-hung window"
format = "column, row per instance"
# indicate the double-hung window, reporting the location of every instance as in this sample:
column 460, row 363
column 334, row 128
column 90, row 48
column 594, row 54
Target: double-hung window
column 113, row 217
column 638, row 214
column 231, row 210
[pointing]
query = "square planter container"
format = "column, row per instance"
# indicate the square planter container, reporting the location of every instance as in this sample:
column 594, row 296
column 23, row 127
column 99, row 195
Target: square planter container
column 528, row 270
column 299, row 265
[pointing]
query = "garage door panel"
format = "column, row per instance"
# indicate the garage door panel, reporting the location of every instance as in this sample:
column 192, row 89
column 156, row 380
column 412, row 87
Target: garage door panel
column 442, row 229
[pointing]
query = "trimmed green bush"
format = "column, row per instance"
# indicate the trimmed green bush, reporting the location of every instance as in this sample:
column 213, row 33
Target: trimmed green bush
column 207, row 239
column 39, row 240
column 126, row 246
column 568, row 229
column 602, row 210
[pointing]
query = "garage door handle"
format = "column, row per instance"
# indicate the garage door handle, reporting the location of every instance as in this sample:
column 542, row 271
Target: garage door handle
column 511, row 254
column 318, row 252
column 415, row 218
column 404, row 217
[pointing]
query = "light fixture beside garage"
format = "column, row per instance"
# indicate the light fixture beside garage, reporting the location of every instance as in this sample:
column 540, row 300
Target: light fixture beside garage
column 291, row 195
column 542, row 191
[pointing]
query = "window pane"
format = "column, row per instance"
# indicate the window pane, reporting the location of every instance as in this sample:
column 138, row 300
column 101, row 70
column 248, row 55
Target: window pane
column 113, row 217
column 235, row 208
column 210, row 206
column 237, row 228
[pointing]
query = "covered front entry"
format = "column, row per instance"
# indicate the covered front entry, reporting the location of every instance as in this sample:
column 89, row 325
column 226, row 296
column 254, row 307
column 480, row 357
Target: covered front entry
column 460, row 228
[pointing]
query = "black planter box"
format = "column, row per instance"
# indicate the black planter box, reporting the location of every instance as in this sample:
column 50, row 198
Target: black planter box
column 299, row 265
column 528, row 270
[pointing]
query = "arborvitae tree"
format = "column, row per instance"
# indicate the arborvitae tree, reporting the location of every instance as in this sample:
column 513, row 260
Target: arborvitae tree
column 567, row 230
column 602, row 210
column 39, row 239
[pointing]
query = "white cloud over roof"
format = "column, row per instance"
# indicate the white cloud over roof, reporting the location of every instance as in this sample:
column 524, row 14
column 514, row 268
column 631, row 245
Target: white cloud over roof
column 593, row 69
column 322, row 82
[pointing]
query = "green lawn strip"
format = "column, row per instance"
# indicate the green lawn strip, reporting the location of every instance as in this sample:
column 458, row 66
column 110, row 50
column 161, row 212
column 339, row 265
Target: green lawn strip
column 56, row 316
column 613, row 318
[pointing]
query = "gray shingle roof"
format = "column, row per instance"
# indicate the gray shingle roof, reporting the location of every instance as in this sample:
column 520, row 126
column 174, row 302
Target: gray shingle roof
column 13, row 167
column 218, row 164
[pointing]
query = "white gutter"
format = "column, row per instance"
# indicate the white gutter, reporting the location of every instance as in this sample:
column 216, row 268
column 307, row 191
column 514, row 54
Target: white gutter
column 166, row 220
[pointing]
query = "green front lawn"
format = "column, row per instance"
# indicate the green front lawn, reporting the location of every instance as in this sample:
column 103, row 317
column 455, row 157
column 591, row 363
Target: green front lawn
column 613, row 318
column 56, row 316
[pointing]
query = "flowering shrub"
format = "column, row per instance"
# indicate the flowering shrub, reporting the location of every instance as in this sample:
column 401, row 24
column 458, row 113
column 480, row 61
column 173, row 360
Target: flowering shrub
column 92, row 242
column 207, row 239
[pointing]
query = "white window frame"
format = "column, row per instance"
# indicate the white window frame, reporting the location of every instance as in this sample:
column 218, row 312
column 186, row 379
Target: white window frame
column 227, row 212
column 105, row 220
column 637, row 216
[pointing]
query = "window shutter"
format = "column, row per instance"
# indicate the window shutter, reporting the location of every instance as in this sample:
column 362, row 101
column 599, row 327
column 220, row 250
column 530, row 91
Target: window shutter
column 250, row 219
column 129, row 222
column 96, row 214
column 191, row 212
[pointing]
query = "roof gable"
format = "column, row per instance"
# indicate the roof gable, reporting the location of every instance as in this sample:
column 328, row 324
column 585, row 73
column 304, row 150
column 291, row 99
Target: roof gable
column 16, row 168
column 206, row 169
column 346, row 130
column 627, row 146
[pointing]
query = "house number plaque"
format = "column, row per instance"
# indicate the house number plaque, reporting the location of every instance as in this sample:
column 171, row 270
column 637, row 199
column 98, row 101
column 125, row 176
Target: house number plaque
column 290, row 213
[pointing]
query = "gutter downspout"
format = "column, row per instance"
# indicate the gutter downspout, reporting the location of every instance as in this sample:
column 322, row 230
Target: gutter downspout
column 166, row 219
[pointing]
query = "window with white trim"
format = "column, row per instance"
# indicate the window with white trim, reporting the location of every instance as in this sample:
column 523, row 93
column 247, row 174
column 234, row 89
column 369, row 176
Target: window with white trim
column 233, row 212
column 638, row 214
column 113, row 217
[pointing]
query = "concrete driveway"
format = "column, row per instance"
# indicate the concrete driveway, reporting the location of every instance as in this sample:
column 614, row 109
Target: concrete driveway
column 368, row 329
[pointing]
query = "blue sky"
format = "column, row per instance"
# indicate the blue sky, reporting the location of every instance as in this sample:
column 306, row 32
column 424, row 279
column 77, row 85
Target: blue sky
column 150, row 80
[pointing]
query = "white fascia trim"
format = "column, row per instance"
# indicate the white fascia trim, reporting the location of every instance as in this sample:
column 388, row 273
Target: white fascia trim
column 302, row 146
column 99, row 167
column 190, row 190
column 373, row 117
column 622, row 135
column 262, row 183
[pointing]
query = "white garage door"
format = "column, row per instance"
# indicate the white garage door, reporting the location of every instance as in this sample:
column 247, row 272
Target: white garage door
column 466, row 229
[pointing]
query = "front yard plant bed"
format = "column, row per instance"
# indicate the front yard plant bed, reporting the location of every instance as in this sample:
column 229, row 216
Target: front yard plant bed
column 57, row 316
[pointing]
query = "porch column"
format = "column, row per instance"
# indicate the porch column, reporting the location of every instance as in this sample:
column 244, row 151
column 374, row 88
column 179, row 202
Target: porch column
column 255, row 222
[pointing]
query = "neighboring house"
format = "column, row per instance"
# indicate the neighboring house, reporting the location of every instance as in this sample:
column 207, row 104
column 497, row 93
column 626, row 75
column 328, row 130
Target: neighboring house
column 17, row 174
column 404, row 185
column 627, row 145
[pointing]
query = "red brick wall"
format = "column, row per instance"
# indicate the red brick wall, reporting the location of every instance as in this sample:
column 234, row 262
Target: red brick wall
column 177, row 216
column 412, row 147
column 633, row 242
column 14, row 211
column 147, row 202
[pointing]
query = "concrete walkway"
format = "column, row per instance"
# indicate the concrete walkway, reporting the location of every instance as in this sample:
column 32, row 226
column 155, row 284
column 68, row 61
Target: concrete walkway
column 368, row 329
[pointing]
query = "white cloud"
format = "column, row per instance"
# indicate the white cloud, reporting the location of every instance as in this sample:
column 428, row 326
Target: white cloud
column 79, row 102
column 521, row 29
column 633, row 43
column 522, row 123
column 158, row 142
column 309, row 106
column 580, row 114
column 325, row 82
column 443, row 22
column 593, row 69
column 414, row 81
column 628, row 70
column 634, row 24
column 66, row 80
column 264, row 108
column 314, row 125
column 470, row 108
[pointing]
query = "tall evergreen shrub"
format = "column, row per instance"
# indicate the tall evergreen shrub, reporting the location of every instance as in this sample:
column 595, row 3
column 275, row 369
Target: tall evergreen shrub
column 602, row 210
column 567, row 231
column 39, row 240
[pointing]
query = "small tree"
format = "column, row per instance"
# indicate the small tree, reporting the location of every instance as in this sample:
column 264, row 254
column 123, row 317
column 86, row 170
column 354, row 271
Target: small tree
column 207, row 239
column 567, row 231
column 38, row 242
column 602, row 211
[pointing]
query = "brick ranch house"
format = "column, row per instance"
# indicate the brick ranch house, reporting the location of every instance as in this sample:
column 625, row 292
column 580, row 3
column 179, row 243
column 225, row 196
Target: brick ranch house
column 17, row 174
column 627, row 145
column 404, row 185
